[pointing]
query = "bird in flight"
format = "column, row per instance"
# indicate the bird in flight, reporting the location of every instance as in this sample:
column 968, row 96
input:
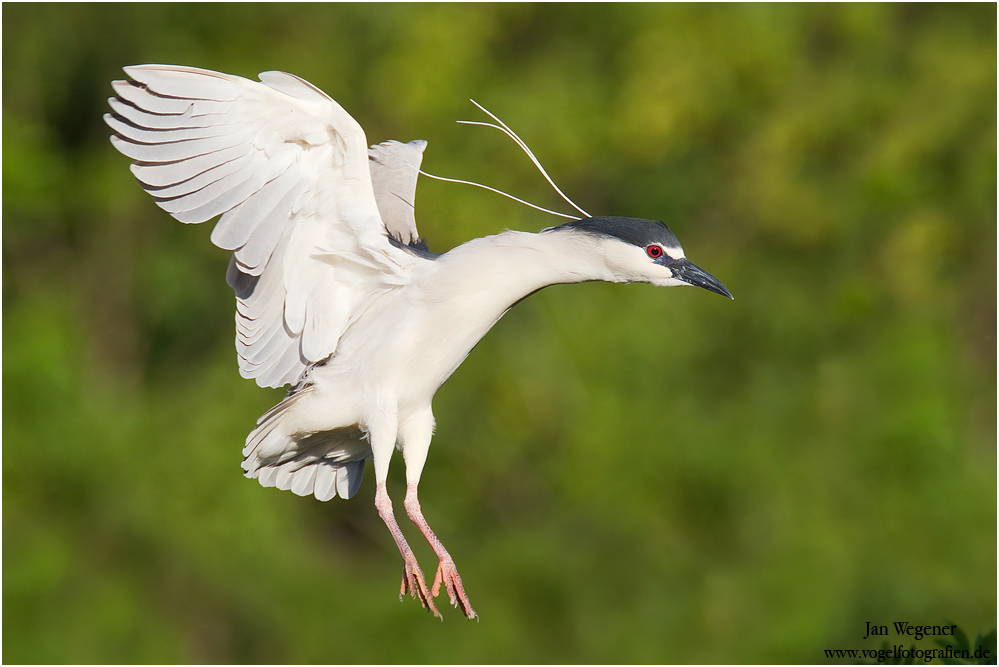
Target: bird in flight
column 336, row 294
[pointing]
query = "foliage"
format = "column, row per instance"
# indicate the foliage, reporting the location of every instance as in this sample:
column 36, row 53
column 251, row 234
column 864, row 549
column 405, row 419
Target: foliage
column 623, row 473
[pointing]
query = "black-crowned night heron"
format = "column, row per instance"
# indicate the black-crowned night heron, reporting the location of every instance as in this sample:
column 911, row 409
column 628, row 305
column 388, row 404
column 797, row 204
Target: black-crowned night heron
column 335, row 294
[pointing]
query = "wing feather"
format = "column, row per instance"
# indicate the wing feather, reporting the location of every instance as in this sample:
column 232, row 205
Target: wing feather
column 262, row 346
column 197, row 182
column 150, row 120
column 159, row 174
column 189, row 82
column 284, row 369
column 394, row 169
column 220, row 197
column 175, row 151
column 212, row 192
column 288, row 171
column 133, row 130
column 253, row 255
column 234, row 230
column 152, row 103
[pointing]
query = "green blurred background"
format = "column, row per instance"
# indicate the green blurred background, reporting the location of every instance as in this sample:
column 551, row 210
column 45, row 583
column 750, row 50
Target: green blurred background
column 622, row 473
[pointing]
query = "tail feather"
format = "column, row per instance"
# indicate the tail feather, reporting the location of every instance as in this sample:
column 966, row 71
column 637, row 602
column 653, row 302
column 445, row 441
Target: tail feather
column 325, row 464
column 304, row 482
column 348, row 478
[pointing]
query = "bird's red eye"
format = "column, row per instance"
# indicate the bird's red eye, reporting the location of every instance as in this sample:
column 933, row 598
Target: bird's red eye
column 654, row 251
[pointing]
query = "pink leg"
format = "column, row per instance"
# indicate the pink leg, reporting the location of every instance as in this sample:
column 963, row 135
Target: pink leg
column 412, row 577
column 446, row 571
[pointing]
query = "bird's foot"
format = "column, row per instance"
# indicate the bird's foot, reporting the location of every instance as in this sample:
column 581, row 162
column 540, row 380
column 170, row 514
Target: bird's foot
column 447, row 574
column 414, row 584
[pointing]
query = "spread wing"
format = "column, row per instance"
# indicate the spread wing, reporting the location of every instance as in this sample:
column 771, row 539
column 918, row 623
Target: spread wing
column 288, row 170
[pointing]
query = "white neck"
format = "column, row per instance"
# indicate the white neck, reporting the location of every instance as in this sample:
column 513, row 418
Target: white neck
column 467, row 290
column 495, row 272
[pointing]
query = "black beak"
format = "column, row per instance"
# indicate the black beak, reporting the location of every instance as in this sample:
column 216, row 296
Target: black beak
column 695, row 275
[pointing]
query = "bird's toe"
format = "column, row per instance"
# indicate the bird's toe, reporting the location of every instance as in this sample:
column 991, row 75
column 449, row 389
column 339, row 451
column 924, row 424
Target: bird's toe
column 414, row 584
column 447, row 575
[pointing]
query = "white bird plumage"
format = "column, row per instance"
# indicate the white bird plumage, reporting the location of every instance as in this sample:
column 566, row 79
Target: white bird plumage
column 335, row 294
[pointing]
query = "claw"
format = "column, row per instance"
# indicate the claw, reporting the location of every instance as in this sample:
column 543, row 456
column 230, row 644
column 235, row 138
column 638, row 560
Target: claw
column 447, row 574
column 414, row 584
